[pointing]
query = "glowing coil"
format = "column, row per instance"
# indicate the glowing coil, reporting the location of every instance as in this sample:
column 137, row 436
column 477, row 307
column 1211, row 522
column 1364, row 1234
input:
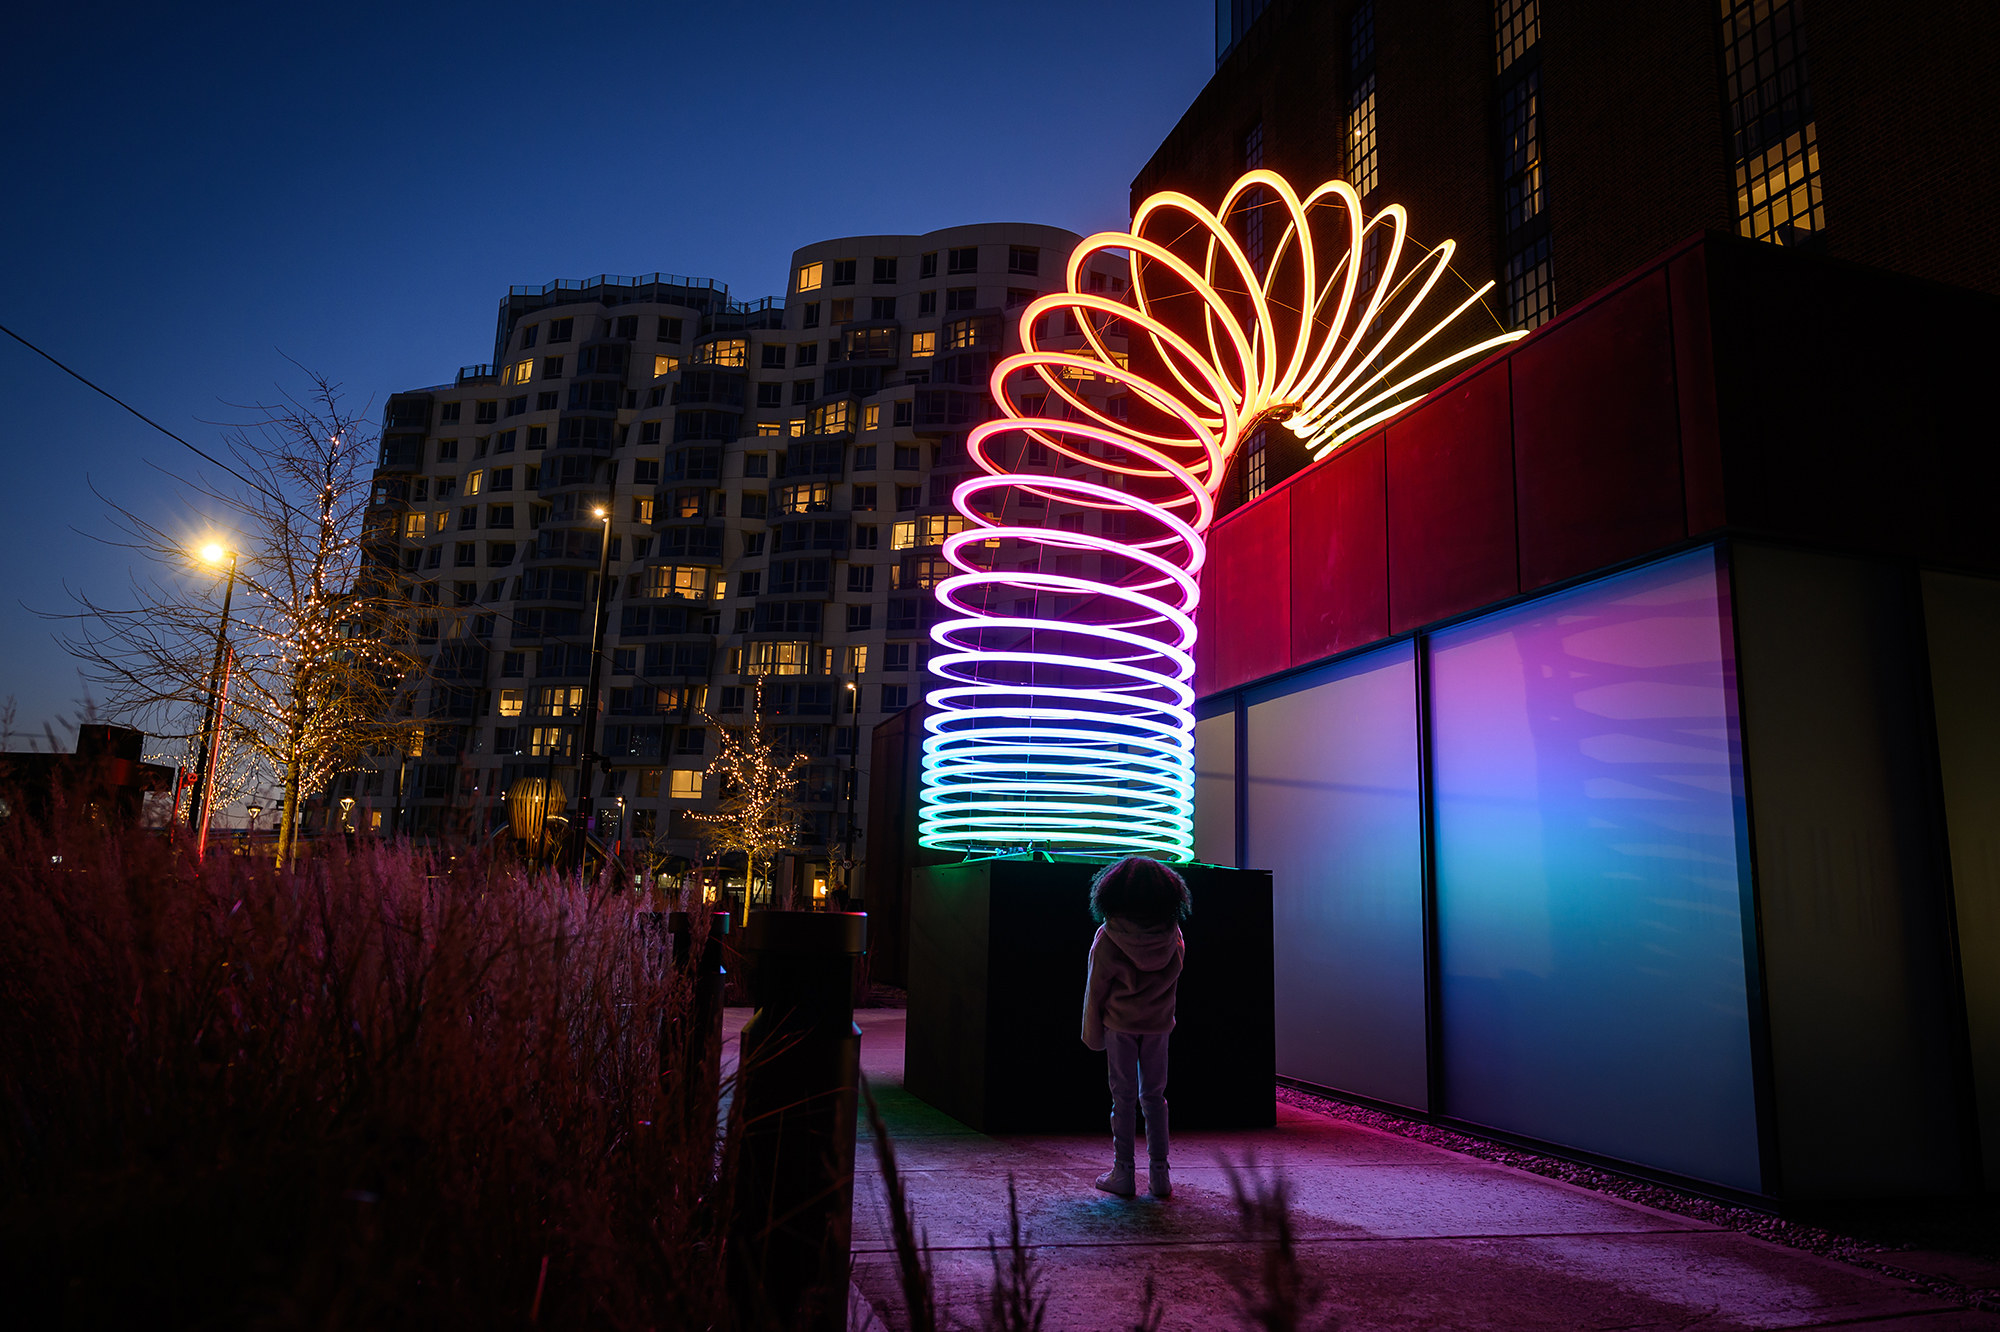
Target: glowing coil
column 1065, row 655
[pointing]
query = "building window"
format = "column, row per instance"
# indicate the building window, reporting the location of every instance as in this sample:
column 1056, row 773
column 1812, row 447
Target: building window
column 802, row 392
column 523, row 371
column 486, row 413
column 895, row 697
column 842, row 311
column 669, row 330
column 1520, row 153
column 517, row 406
column 808, row 354
column 1256, row 471
column 881, row 307
column 885, row 271
column 810, row 277
column 464, row 557
column 834, row 418
column 1361, row 146
column 927, row 266
column 1771, row 117
column 529, row 334
column 499, row 515
column 864, row 459
column 538, row 437
column 730, row 353
column 908, row 459
column 965, row 260
column 1517, row 25
column 686, row 783
column 560, row 330
column 843, row 273
column 961, row 298
column 902, row 413
column 926, row 303
column 770, row 395
column 448, row 414
column 1529, row 286
column 1024, row 259
column 1253, row 200
column 860, row 578
column 923, row 344
column 546, row 402
column 774, row 356
column 665, row 365
column 777, row 658
column 811, row 316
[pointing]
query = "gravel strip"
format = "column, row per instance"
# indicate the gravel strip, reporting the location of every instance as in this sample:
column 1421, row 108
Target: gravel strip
column 1747, row 1220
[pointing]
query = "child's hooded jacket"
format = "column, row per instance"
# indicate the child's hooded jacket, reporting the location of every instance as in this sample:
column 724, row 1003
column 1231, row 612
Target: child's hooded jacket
column 1134, row 973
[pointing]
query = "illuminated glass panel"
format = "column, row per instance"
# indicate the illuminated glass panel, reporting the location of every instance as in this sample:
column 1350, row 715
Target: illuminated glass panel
column 810, row 276
column 1521, row 152
column 923, row 344
column 1771, row 116
column 1590, row 873
column 1333, row 813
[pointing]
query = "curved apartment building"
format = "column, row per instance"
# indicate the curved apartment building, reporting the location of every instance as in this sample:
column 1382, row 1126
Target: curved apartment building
column 779, row 475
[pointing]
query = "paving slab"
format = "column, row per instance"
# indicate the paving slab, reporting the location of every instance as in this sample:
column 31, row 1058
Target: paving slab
column 1400, row 1234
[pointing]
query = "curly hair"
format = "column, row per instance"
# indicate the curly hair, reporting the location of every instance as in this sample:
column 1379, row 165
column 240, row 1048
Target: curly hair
column 1141, row 890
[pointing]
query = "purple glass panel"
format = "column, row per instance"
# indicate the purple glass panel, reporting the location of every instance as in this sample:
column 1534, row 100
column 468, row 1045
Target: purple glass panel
column 1590, row 865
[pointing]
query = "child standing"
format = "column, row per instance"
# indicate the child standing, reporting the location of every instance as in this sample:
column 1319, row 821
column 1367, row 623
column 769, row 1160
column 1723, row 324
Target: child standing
column 1128, row 1005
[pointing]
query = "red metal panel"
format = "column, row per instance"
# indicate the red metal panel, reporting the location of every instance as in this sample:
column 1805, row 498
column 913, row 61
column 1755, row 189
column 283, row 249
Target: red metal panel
column 1450, row 474
column 1694, row 386
column 1340, row 553
column 1596, row 436
column 1249, row 581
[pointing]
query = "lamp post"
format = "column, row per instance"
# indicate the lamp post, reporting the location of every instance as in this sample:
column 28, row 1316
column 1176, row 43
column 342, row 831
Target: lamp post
column 853, row 757
column 588, row 742
column 253, row 811
column 211, row 722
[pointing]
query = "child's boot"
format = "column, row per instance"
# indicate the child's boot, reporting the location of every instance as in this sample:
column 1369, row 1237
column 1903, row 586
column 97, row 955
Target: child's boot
column 1119, row 1179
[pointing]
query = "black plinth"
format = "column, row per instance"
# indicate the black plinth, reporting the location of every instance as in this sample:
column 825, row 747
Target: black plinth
column 999, row 951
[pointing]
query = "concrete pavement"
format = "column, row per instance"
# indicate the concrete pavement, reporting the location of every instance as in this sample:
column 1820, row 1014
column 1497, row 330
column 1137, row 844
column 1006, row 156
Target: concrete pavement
column 1403, row 1234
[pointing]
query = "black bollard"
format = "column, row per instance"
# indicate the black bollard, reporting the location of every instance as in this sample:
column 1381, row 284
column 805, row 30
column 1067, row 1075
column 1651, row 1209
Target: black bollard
column 691, row 1037
column 792, row 1213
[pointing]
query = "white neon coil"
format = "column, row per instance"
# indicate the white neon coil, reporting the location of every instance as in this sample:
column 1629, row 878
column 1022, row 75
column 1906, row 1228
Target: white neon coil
column 1063, row 714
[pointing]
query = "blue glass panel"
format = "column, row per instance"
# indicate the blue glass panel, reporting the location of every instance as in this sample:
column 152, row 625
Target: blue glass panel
column 1590, row 864
column 1334, row 815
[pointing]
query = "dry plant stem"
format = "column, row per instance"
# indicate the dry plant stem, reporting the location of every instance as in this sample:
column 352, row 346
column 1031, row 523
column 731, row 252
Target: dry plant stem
column 1276, row 1294
column 1018, row 1303
column 381, row 1091
column 912, row 1249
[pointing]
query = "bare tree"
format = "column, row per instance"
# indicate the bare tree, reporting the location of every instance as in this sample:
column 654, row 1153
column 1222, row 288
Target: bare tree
column 322, row 622
column 758, row 810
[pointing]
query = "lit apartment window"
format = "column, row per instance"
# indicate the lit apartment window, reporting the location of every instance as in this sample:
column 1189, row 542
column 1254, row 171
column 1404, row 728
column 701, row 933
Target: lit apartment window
column 642, row 510
column 685, row 783
column 732, row 353
column 1771, row 115
column 777, row 658
column 856, row 662
column 510, row 702
column 475, row 481
column 1526, row 274
column 903, row 535
column 524, row 371
column 932, row 529
column 689, row 582
column 833, row 418
column 871, row 417
column 810, row 277
column 665, row 365
column 805, row 497
column 923, row 344
column 768, row 430
column 1361, row 146
column 414, row 525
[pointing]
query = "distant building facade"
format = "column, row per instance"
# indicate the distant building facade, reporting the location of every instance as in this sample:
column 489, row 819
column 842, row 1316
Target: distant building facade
column 779, row 476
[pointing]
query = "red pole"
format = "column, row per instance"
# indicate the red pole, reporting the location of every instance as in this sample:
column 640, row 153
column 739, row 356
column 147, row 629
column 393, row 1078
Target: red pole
column 214, row 754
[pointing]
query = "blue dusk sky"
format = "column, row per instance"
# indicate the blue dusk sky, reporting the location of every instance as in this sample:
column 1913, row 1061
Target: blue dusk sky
column 202, row 195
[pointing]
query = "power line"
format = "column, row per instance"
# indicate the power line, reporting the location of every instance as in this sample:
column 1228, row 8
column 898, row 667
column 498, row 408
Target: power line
column 199, row 453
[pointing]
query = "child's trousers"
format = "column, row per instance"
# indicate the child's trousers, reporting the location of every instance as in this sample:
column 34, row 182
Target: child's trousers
column 1136, row 1066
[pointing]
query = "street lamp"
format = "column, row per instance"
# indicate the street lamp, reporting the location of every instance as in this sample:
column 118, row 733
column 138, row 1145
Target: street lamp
column 211, row 726
column 853, row 757
column 253, row 811
column 588, row 754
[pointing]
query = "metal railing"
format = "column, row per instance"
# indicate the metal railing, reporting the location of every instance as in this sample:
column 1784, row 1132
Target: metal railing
column 617, row 280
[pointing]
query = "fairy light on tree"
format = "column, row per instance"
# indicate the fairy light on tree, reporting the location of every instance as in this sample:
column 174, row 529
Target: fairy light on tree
column 1062, row 717
column 757, row 814
column 326, row 638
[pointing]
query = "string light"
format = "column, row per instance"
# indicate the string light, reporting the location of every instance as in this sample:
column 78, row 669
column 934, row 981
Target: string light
column 1063, row 717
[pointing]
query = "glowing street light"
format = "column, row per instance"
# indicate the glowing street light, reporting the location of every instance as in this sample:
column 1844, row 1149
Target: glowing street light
column 210, row 751
column 1063, row 714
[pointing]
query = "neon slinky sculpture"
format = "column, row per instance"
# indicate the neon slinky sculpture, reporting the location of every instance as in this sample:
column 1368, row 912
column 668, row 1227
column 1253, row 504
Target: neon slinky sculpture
column 1064, row 649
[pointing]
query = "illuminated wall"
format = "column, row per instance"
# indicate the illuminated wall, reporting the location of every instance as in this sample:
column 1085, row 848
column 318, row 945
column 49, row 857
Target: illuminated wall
column 1333, row 813
column 1591, row 873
